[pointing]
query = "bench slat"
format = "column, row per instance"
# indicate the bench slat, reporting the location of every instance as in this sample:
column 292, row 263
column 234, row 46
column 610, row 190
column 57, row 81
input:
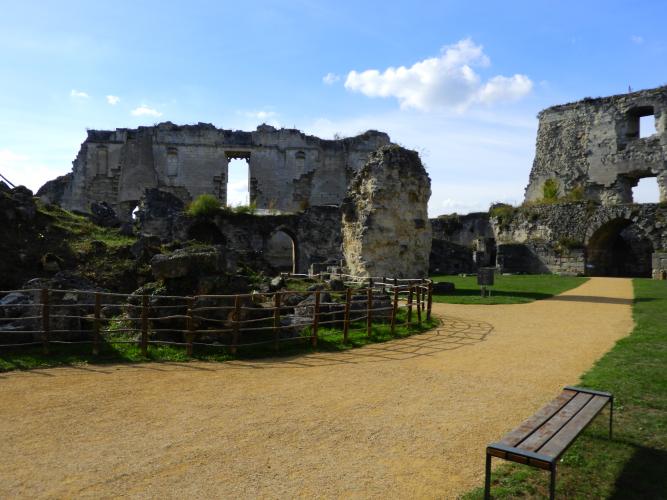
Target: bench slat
column 562, row 439
column 555, row 423
column 517, row 435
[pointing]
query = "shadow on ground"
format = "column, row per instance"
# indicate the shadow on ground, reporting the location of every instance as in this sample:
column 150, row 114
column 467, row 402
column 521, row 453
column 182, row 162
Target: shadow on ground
column 643, row 476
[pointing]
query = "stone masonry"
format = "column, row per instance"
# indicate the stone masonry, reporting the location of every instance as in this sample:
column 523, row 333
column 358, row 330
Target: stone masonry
column 596, row 146
column 385, row 225
column 288, row 170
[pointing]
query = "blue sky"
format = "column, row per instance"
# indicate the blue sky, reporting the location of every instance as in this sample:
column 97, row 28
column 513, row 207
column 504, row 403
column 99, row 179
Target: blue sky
column 460, row 82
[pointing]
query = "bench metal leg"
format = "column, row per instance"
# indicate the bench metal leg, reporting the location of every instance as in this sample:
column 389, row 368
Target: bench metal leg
column 552, row 486
column 487, row 481
column 611, row 416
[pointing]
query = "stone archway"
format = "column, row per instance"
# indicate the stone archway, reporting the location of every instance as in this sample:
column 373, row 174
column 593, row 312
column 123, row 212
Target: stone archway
column 281, row 250
column 619, row 248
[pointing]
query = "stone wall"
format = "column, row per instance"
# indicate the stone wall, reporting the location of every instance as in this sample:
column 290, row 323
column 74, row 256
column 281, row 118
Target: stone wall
column 386, row 230
column 594, row 146
column 580, row 238
column 288, row 170
column 461, row 243
column 314, row 233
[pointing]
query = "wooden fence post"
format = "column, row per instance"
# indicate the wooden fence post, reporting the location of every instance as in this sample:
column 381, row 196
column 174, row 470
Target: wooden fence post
column 235, row 320
column 408, row 316
column 429, row 304
column 276, row 321
column 369, row 311
column 96, row 324
column 346, row 317
column 316, row 319
column 46, row 322
column 419, row 305
column 394, row 310
column 191, row 327
column 144, row 325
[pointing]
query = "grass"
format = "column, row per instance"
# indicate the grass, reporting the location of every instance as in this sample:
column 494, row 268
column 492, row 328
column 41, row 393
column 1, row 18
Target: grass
column 82, row 231
column 634, row 463
column 518, row 289
column 119, row 349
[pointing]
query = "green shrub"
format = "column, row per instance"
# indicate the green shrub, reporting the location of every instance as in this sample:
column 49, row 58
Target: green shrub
column 576, row 194
column 550, row 190
column 245, row 209
column 204, row 205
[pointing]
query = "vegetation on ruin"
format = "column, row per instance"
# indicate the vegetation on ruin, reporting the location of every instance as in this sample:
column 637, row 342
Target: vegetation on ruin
column 204, row 205
column 504, row 214
column 550, row 190
column 517, row 289
column 633, row 464
column 245, row 209
column 123, row 348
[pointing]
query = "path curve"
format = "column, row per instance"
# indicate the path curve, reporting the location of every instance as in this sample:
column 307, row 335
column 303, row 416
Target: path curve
column 408, row 418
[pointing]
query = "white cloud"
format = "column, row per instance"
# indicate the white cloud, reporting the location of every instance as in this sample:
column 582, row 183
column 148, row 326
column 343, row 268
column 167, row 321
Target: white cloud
column 260, row 115
column 473, row 159
column 77, row 94
column 113, row 99
column 144, row 110
column 447, row 81
column 330, row 78
column 637, row 39
column 22, row 170
column 502, row 88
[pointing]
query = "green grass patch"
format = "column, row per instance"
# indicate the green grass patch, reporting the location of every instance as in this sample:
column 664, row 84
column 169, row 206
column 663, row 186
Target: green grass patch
column 518, row 289
column 116, row 348
column 82, row 231
column 634, row 463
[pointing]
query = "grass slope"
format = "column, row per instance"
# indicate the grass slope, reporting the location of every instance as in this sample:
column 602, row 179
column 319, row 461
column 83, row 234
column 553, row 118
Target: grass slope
column 120, row 349
column 634, row 464
column 516, row 289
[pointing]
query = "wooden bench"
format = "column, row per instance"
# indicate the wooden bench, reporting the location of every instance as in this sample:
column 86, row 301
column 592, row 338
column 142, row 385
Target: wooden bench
column 542, row 439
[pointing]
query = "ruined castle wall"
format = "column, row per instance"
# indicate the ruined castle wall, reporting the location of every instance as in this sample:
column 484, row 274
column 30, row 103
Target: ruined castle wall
column 288, row 170
column 562, row 238
column 595, row 145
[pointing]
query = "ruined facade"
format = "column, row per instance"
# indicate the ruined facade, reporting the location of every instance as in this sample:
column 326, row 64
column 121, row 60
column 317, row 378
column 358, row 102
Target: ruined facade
column 288, row 170
column 599, row 147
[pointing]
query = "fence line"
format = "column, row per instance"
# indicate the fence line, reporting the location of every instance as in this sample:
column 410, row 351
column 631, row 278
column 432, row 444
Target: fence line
column 242, row 320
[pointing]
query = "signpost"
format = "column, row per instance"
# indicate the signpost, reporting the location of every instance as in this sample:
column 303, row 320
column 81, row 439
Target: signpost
column 485, row 278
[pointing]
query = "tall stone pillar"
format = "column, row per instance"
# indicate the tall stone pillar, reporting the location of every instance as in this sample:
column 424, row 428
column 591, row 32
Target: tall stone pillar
column 385, row 225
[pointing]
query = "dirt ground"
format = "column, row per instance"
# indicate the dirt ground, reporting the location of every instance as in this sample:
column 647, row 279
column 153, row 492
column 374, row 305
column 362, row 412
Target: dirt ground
column 408, row 418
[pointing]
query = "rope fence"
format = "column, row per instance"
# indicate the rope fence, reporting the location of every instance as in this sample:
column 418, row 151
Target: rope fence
column 50, row 316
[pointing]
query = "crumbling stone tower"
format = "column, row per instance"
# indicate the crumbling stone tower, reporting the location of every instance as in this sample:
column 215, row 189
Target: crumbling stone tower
column 598, row 147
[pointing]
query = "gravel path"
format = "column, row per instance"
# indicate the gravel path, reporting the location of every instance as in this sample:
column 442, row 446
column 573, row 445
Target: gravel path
column 408, row 418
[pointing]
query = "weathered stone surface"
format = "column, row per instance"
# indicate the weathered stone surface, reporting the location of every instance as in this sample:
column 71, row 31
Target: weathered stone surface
column 158, row 212
column 187, row 262
column 386, row 230
column 580, row 238
column 288, row 170
column 595, row 145
column 103, row 215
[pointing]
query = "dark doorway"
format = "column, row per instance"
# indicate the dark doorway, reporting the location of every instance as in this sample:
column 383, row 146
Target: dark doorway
column 619, row 248
column 281, row 251
column 206, row 232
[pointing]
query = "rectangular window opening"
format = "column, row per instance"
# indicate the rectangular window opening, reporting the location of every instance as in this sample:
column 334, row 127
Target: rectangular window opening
column 646, row 126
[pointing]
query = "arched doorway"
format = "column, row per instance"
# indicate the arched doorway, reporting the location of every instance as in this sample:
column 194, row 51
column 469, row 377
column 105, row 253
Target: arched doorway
column 280, row 251
column 619, row 248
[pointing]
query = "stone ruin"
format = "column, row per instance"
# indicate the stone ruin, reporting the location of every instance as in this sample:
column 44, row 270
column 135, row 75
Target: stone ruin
column 598, row 147
column 297, row 182
column 386, row 230
column 288, row 170
column 592, row 152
